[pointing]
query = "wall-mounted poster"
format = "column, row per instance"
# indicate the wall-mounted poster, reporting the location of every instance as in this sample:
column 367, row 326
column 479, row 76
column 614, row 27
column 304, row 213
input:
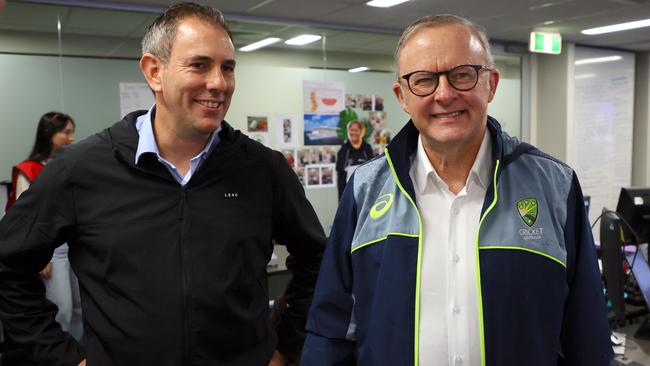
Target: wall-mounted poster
column 290, row 155
column 322, row 97
column 313, row 175
column 321, row 129
column 258, row 124
column 351, row 101
column 320, row 176
column 287, row 130
column 378, row 103
column 322, row 104
column 366, row 103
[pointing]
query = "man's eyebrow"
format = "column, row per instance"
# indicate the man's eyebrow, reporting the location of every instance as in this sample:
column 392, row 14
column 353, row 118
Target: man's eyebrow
column 199, row 59
column 230, row 62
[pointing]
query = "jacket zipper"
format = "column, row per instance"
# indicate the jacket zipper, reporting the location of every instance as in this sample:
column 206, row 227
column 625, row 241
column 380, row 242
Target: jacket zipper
column 416, row 325
column 481, row 327
column 185, row 280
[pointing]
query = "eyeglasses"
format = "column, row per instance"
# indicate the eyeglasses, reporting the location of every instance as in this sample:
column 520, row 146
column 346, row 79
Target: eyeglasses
column 461, row 78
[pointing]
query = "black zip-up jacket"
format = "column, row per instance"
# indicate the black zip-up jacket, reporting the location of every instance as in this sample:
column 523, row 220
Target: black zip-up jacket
column 169, row 275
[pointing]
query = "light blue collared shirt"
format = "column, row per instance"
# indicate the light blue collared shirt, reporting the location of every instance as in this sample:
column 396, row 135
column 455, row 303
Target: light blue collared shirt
column 147, row 144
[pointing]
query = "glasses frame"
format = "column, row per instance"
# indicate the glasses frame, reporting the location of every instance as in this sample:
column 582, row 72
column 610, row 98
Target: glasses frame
column 437, row 75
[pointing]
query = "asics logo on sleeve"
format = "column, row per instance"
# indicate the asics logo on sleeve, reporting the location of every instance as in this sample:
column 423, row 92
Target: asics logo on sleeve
column 381, row 206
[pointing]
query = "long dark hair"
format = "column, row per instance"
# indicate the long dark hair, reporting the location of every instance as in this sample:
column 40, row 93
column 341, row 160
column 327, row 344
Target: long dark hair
column 48, row 126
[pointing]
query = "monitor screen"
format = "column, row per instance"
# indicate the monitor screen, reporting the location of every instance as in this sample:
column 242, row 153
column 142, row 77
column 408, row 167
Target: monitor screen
column 641, row 272
column 634, row 207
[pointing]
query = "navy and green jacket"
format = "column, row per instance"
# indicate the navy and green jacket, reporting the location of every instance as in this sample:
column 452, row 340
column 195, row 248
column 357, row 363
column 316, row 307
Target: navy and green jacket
column 539, row 289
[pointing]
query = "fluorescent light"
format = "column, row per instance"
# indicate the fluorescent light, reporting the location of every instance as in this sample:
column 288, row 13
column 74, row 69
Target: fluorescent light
column 385, row 3
column 585, row 76
column 259, row 44
column 358, row 69
column 597, row 60
column 617, row 27
column 302, row 39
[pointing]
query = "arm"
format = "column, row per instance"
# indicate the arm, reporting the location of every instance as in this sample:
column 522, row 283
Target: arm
column 585, row 338
column 22, row 183
column 341, row 174
column 330, row 328
column 296, row 226
column 29, row 232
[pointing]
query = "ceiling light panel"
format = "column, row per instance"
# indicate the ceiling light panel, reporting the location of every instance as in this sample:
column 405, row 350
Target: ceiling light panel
column 385, row 3
column 617, row 27
column 257, row 45
column 303, row 39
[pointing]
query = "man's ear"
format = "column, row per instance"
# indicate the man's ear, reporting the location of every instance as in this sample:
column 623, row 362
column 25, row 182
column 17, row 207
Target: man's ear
column 494, row 81
column 151, row 67
column 401, row 98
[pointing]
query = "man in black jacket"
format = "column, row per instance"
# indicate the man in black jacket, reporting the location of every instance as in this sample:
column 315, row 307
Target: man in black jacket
column 169, row 215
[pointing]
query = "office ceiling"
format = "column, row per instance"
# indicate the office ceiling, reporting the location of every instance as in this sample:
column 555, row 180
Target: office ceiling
column 349, row 25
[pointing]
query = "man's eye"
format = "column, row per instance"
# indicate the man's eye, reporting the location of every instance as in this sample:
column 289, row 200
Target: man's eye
column 423, row 81
column 228, row 68
column 197, row 65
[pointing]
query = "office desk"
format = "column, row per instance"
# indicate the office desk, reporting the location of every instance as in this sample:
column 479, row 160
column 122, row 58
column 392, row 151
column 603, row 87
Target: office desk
column 637, row 351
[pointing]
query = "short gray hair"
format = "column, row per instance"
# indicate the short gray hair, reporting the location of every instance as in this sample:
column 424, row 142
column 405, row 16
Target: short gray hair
column 431, row 21
column 159, row 37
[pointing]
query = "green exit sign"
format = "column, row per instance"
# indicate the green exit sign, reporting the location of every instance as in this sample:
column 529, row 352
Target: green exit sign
column 546, row 42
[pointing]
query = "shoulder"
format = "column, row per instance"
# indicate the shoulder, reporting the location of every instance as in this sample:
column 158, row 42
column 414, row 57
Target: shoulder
column 370, row 175
column 247, row 150
column 534, row 170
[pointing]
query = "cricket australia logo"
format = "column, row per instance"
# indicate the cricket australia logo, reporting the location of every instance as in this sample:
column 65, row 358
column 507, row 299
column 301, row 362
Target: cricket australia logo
column 528, row 210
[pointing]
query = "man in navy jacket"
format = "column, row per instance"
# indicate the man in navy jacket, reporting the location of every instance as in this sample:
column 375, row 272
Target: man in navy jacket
column 460, row 245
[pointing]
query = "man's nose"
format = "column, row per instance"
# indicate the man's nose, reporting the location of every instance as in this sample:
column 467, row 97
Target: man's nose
column 217, row 80
column 445, row 91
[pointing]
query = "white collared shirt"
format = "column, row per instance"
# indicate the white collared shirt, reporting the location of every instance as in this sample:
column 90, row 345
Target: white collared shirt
column 147, row 144
column 449, row 324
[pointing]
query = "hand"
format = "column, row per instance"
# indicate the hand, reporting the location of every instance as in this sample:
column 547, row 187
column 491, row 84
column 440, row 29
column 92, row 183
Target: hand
column 278, row 359
column 46, row 272
column 83, row 362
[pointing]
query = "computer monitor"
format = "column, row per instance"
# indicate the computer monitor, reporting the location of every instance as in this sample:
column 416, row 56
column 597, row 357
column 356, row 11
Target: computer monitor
column 611, row 249
column 641, row 272
column 634, row 207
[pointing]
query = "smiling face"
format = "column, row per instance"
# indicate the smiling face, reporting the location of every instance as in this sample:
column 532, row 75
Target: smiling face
column 63, row 137
column 354, row 133
column 448, row 118
column 194, row 87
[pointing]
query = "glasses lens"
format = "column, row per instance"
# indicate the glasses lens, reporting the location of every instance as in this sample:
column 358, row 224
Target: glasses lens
column 463, row 77
column 423, row 82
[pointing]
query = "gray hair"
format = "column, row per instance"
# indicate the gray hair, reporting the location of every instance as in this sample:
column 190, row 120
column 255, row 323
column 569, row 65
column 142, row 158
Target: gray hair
column 159, row 37
column 431, row 21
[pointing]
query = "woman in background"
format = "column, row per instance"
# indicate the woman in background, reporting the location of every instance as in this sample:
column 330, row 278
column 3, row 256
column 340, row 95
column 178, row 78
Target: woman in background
column 352, row 153
column 55, row 130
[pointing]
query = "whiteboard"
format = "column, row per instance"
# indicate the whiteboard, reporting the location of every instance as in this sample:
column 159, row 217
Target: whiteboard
column 604, row 115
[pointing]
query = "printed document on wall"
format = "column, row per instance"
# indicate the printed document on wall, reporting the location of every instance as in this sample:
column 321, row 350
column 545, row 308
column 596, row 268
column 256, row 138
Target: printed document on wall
column 135, row 96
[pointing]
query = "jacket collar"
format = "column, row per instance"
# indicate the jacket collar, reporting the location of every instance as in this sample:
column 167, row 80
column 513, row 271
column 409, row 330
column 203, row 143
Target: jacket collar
column 405, row 143
column 123, row 138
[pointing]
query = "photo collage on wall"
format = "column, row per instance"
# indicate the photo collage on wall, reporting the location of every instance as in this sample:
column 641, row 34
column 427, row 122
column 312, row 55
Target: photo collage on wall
column 327, row 110
column 314, row 165
column 370, row 109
